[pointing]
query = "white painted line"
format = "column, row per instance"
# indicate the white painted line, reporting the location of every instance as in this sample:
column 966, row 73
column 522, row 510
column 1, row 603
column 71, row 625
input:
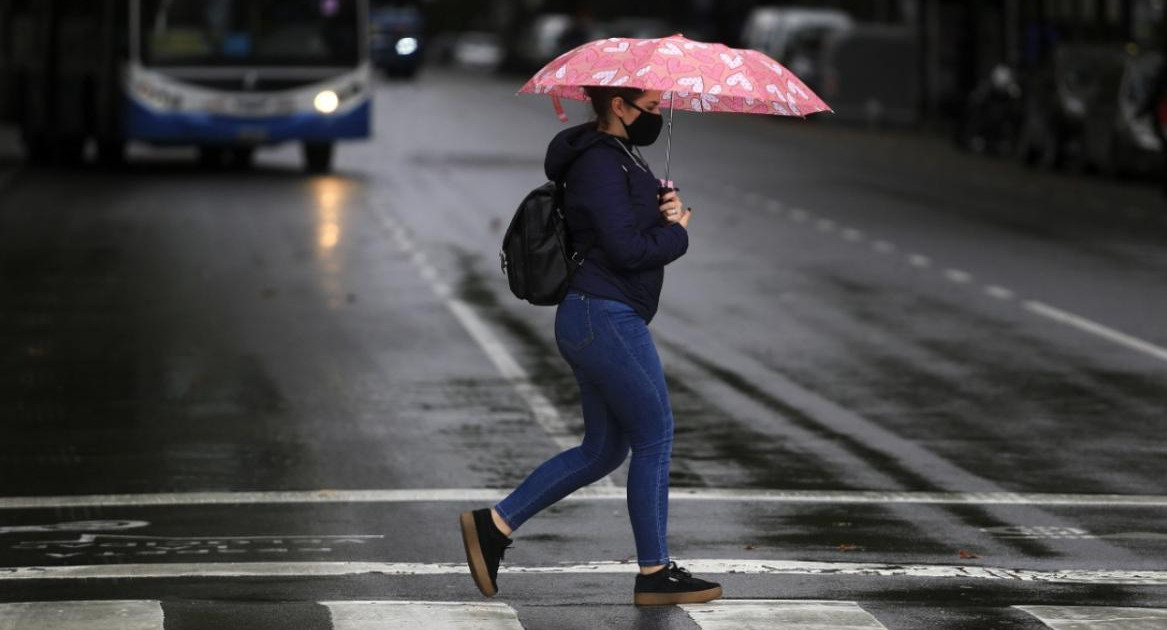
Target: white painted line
column 919, row 260
column 774, row 206
column 591, row 493
column 826, row 225
column 544, row 411
column 82, row 615
column 799, row 215
column 1097, row 329
column 383, row 615
column 958, row 276
column 853, row 235
column 753, row 198
column 1098, row 617
column 772, row 614
column 883, row 247
column 703, row 566
column 1001, row 293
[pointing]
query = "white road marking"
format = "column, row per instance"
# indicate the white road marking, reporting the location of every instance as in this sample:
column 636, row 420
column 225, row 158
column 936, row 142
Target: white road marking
column 383, row 615
column 853, row 235
column 544, row 411
column 919, row 260
column 701, row 566
column 826, row 225
column 1099, row 617
column 774, row 206
column 82, row 615
column 799, row 215
column 883, row 247
column 1001, row 293
column 772, row 614
column 958, row 276
column 591, row 493
column 1094, row 328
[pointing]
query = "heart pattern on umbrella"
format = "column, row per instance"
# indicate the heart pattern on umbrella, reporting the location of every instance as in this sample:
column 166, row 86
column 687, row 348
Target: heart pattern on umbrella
column 705, row 77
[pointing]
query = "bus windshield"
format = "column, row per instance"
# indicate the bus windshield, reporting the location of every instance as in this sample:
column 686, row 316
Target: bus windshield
column 250, row 32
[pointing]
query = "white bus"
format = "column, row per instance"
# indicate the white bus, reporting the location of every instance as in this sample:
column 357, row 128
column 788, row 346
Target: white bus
column 227, row 76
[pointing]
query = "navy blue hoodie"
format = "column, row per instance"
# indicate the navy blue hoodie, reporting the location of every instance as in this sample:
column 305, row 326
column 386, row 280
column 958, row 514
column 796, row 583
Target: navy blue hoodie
column 610, row 200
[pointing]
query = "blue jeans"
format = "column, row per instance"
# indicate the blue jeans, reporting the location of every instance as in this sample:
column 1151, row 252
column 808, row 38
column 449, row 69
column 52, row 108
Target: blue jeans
column 625, row 406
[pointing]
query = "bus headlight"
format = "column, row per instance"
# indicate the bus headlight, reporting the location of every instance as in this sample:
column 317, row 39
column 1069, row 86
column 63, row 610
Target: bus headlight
column 326, row 102
column 406, row 46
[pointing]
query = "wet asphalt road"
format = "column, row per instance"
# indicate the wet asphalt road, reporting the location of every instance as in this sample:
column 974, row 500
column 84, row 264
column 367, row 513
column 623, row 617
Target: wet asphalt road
column 859, row 312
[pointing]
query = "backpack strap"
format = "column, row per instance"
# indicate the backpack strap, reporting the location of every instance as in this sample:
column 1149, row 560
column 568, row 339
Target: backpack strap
column 577, row 254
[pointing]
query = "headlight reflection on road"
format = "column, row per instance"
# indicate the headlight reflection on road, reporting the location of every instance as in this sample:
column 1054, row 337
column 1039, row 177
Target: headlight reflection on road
column 330, row 195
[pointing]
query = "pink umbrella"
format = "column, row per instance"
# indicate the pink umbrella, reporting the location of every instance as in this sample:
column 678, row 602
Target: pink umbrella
column 694, row 76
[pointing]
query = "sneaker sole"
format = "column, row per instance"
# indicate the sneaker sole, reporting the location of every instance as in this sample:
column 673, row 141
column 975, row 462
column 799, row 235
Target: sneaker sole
column 672, row 599
column 474, row 556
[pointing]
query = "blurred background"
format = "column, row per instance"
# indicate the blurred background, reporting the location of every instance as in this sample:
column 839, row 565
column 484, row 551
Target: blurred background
column 1057, row 83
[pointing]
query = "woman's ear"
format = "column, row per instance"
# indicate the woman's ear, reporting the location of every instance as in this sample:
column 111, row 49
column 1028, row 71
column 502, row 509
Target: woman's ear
column 618, row 107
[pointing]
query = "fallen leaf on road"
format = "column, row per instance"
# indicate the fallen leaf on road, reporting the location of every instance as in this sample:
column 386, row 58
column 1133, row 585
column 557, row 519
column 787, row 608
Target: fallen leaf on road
column 844, row 547
column 750, row 547
column 968, row 555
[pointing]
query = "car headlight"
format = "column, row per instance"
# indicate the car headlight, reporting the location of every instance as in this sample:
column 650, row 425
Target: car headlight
column 406, row 46
column 326, row 102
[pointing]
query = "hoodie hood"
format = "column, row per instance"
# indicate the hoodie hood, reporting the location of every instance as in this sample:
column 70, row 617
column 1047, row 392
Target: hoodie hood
column 567, row 145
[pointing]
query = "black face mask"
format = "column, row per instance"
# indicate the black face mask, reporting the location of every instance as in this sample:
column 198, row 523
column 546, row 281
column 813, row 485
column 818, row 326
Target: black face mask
column 645, row 129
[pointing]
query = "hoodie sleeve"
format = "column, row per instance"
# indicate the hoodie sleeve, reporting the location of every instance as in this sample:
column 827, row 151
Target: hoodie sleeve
column 599, row 186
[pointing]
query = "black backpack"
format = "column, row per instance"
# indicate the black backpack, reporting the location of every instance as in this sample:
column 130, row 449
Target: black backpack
column 536, row 256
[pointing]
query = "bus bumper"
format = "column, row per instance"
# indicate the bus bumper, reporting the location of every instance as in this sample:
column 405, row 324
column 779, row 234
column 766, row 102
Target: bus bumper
column 190, row 128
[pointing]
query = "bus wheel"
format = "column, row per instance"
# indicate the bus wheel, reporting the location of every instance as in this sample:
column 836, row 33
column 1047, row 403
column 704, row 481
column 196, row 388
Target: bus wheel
column 111, row 152
column 318, row 157
column 242, row 157
column 210, row 157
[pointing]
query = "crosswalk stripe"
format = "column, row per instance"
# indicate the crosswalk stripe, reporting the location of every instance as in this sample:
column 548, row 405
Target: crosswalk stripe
column 771, row 614
column 593, row 493
column 710, row 566
column 82, row 615
column 390, row 615
column 1099, row 617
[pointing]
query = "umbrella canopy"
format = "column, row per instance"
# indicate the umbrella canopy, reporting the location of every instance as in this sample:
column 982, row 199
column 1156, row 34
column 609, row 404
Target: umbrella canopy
column 694, row 76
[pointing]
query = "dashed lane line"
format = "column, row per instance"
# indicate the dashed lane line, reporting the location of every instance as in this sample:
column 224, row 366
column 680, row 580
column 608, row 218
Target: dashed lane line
column 1083, row 324
column 958, row 276
column 1112, row 577
column 590, row 493
column 544, row 411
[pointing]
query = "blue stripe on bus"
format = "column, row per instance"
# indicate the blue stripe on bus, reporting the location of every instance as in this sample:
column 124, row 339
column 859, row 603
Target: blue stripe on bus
column 194, row 128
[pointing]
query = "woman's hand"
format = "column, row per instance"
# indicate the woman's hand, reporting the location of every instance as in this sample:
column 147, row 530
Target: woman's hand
column 673, row 209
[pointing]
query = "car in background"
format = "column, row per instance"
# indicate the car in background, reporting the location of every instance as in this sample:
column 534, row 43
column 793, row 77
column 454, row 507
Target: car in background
column 855, row 80
column 550, row 35
column 1118, row 135
column 1056, row 99
column 794, row 36
column 396, row 38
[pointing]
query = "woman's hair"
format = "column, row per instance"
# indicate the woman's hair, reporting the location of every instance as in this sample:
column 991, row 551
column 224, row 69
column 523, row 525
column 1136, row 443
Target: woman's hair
column 602, row 99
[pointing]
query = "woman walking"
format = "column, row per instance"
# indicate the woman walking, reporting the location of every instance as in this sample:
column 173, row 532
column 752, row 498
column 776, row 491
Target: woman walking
column 613, row 202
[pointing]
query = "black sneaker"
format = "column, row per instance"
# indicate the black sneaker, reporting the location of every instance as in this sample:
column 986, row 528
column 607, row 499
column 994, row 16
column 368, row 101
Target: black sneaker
column 673, row 585
column 485, row 546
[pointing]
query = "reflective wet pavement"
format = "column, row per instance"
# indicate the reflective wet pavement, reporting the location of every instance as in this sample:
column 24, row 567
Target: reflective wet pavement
column 859, row 311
